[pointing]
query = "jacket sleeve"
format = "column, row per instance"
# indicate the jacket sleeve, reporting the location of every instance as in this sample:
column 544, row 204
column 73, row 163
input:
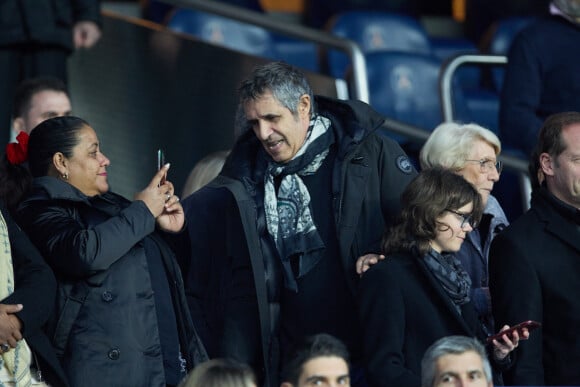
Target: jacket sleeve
column 35, row 285
column 76, row 250
column 520, row 96
column 516, row 293
column 383, row 315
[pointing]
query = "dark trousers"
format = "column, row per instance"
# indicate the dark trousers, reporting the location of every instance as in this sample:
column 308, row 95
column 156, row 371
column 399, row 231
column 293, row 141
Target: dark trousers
column 20, row 62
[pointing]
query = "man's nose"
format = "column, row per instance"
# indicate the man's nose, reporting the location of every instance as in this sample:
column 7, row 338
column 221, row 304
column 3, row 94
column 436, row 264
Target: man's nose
column 461, row 382
column 263, row 130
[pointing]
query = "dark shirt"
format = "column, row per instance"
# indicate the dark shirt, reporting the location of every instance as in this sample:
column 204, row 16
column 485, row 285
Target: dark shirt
column 323, row 302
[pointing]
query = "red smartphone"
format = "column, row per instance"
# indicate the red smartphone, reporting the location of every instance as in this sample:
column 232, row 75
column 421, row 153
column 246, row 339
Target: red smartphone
column 531, row 325
column 161, row 163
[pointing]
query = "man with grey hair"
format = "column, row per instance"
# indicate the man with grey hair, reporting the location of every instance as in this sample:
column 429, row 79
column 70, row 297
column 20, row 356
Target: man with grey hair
column 309, row 186
column 457, row 361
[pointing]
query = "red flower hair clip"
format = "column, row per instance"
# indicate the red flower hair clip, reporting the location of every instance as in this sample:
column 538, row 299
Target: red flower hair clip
column 17, row 152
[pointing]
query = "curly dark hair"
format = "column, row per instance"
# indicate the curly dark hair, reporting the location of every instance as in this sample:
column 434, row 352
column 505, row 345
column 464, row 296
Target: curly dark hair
column 424, row 200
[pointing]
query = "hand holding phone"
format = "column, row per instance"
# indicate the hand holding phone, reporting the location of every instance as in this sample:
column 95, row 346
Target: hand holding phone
column 161, row 163
column 530, row 325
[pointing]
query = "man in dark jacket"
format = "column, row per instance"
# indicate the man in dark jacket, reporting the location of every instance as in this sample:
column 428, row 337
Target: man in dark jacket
column 36, row 37
column 24, row 312
column 535, row 262
column 308, row 188
column 542, row 76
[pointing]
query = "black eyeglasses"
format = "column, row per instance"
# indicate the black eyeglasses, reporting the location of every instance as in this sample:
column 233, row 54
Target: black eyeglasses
column 465, row 218
column 487, row 165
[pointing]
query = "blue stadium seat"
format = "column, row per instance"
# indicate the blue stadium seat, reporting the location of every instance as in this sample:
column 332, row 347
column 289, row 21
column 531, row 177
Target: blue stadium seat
column 405, row 86
column 224, row 32
column 297, row 52
column 375, row 31
column 445, row 48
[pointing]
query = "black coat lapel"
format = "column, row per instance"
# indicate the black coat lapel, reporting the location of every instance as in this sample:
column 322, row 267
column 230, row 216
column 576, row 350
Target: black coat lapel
column 464, row 321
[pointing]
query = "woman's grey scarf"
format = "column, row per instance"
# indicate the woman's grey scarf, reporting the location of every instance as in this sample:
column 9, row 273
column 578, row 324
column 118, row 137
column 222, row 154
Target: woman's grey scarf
column 288, row 214
column 451, row 275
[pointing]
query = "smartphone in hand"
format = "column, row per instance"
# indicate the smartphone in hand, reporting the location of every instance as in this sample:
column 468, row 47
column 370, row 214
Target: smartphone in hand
column 161, row 163
column 531, row 325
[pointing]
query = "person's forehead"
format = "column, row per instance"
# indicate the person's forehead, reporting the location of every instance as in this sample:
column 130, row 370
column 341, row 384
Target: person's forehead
column 468, row 360
column 329, row 366
column 47, row 95
column 481, row 147
column 571, row 135
column 47, row 99
column 264, row 104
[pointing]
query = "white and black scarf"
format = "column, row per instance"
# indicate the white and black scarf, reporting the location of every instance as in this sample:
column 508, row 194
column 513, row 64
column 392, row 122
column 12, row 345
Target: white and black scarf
column 288, row 214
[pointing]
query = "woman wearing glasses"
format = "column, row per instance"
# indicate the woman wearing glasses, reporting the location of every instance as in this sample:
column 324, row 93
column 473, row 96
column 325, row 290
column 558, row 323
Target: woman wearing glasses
column 420, row 292
column 471, row 151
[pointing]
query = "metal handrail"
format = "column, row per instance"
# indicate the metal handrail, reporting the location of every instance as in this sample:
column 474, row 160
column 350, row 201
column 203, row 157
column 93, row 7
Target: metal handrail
column 353, row 50
column 449, row 69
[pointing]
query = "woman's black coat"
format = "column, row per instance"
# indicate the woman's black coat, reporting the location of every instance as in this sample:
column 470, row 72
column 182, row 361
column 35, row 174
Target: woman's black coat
column 403, row 310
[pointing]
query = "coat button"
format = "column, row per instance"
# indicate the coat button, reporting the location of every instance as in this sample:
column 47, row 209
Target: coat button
column 114, row 354
column 107, row 296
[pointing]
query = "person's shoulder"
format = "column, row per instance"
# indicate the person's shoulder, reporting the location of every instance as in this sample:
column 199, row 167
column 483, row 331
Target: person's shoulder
column 390, row 149
column 522, row 232
column 357, row 117
column 394, row 264
column 545, row 28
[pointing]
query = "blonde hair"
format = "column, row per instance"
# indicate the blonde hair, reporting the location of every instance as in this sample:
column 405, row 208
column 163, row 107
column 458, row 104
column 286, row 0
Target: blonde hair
column 449, row 144
column 204, row 171
column 220, row 373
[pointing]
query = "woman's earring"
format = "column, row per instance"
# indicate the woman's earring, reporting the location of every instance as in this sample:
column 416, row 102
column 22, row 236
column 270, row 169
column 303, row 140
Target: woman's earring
column 65, row 176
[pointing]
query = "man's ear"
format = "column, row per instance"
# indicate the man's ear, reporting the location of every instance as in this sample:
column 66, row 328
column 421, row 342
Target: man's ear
column 304, row 105
column 547, row 164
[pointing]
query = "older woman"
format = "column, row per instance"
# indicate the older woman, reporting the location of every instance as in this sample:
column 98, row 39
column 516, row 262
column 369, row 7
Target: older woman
column 471, row 151
column 420, row 293
column 121, row 317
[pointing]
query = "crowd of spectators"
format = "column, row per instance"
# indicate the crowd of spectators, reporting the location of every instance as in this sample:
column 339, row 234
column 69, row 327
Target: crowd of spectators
column 312, row 252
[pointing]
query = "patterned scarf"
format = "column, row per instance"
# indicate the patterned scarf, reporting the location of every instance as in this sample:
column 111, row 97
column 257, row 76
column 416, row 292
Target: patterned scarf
column 567, row 9
column 16, row 360
column 288, row 214
column 451, row 275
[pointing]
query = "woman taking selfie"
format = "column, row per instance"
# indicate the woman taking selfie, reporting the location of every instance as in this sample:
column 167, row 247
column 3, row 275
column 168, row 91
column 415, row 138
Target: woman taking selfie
column 420, row 293
column 121, row 315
